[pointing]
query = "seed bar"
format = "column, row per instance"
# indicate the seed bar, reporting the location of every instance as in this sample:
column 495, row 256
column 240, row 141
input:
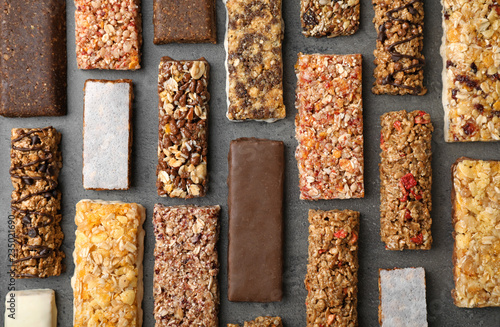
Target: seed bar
column 329, row 17
column 186, row 266
column 329, row 127
column 332, row 271
column 398, row 57
column 254, row 64
column 405, row 180
column 182, row 133
column 476, row 253
column 471, row 80
column 261, row 322
column 36, row 202
column 31, row 308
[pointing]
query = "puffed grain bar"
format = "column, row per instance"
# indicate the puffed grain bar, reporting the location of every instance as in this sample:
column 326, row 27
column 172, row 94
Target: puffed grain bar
column 109, row 248
column 405, row 180
column 329, row 17
column 31, row 308
column 185, row 290
column 254, row 64
column 182, row 133
column 108, row 34
column 398, row 56
column 332, row 270
column 261, row 322
column 33, row 58
column 476, row 253
column 329, row 126
column 36, row 202
column 471, row 76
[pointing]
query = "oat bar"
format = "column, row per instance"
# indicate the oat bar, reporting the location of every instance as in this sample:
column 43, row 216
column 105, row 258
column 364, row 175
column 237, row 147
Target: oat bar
column 109, row 248
column 108, row 34
column 398, row 57
column 261, row 322
column 476, row 253
column 36, row 202
column 471, row 76
column 253, row 60
column 31, row 308
column 405, row 180
column 182, row 133
column 329, row 127
column 332, row 270
column 329, row 17
column 185, row 290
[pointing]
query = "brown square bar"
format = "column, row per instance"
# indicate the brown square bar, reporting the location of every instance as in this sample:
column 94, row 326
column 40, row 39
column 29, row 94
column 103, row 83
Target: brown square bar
column 329, row 17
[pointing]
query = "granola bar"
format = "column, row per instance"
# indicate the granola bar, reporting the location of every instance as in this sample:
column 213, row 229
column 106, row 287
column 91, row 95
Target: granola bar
column 36, row 202
column 254, row 64
column 398, row 57
column 476, row 253
column 471, row 76
column 332, row 270
column 182, row 133
column 109, row 248
column 329, row 127
column 185, row 290
column 108, row 34
column 261, row 322
column 329, row 17
column 405, row 180
column 31, row 308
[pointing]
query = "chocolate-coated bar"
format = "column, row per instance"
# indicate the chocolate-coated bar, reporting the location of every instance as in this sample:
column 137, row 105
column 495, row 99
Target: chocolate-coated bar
column 31, row 308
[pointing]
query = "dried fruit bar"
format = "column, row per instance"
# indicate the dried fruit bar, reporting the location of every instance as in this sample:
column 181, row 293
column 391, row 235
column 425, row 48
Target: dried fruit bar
column 31, row 308
column 108, row 34
column 332, row 270
column 261, row 322
column 185, row 290
column 253, row 60
column 398, row 57
column 109, row 248
column 36, row 202
column 329, row 17
column 405, row 180
column 476, row 253
column 329, row 127
column 182, row 133
column 471, row 76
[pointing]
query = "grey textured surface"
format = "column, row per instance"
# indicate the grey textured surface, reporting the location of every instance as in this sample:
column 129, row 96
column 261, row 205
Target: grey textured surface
column 437, row 262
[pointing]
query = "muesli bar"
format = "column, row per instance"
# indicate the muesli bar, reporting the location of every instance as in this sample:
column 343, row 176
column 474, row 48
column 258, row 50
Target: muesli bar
column 405, row 180
column 261, row 322
column 332, row 271
column 329, row 126
column 182, row 133
column 36, row 202
column 329, row 17
column 398, row 57
column 476, row 252
column 471, row 80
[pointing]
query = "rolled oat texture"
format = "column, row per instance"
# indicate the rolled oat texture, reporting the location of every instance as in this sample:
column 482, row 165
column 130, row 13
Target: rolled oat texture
column 261, row 322
column 329, row 17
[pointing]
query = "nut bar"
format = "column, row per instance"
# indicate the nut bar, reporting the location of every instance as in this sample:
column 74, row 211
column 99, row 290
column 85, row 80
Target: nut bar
column 31, row 308
column 36, row 202
column 471, row 80
column 329, row 127
column 332, row 271
column 398, row 57
column 108, row 34
column 109, row 248
column 185, row 290
column 182, row 133
column 33, row 58
column 261, row 322
column 184, row 21
column 254, row 65
column 329, row 17
column 476, row 221
column 405, row 180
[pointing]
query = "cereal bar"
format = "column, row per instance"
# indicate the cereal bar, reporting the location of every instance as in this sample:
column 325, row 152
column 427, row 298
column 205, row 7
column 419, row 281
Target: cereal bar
column 182, row 132
column 329, row 17
column 31, row 308
column 261, row 322
column 329, row 127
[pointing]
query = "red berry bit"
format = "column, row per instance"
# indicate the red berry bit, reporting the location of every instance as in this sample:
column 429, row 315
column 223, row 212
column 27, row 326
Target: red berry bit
column 340, row 234
column 419, row 239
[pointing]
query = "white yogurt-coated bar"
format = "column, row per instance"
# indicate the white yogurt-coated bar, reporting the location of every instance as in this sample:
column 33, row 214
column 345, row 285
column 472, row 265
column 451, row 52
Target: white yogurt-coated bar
column 31, row 308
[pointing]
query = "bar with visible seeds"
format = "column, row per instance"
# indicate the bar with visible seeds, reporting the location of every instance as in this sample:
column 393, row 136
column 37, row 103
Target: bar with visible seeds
column 36, row 202
column 254, row 64
column 329, row 126
column 108, row 34
column 332, row 270
column 109, row 248
column 261, row 322
column 185, row 287
column 406, row 180
column 182, row 133
column 471, row 76
column 476, row 221
column 398, row 56
column 329, row 17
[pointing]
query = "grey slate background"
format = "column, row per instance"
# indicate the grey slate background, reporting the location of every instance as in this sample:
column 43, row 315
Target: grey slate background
column 437, row 262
